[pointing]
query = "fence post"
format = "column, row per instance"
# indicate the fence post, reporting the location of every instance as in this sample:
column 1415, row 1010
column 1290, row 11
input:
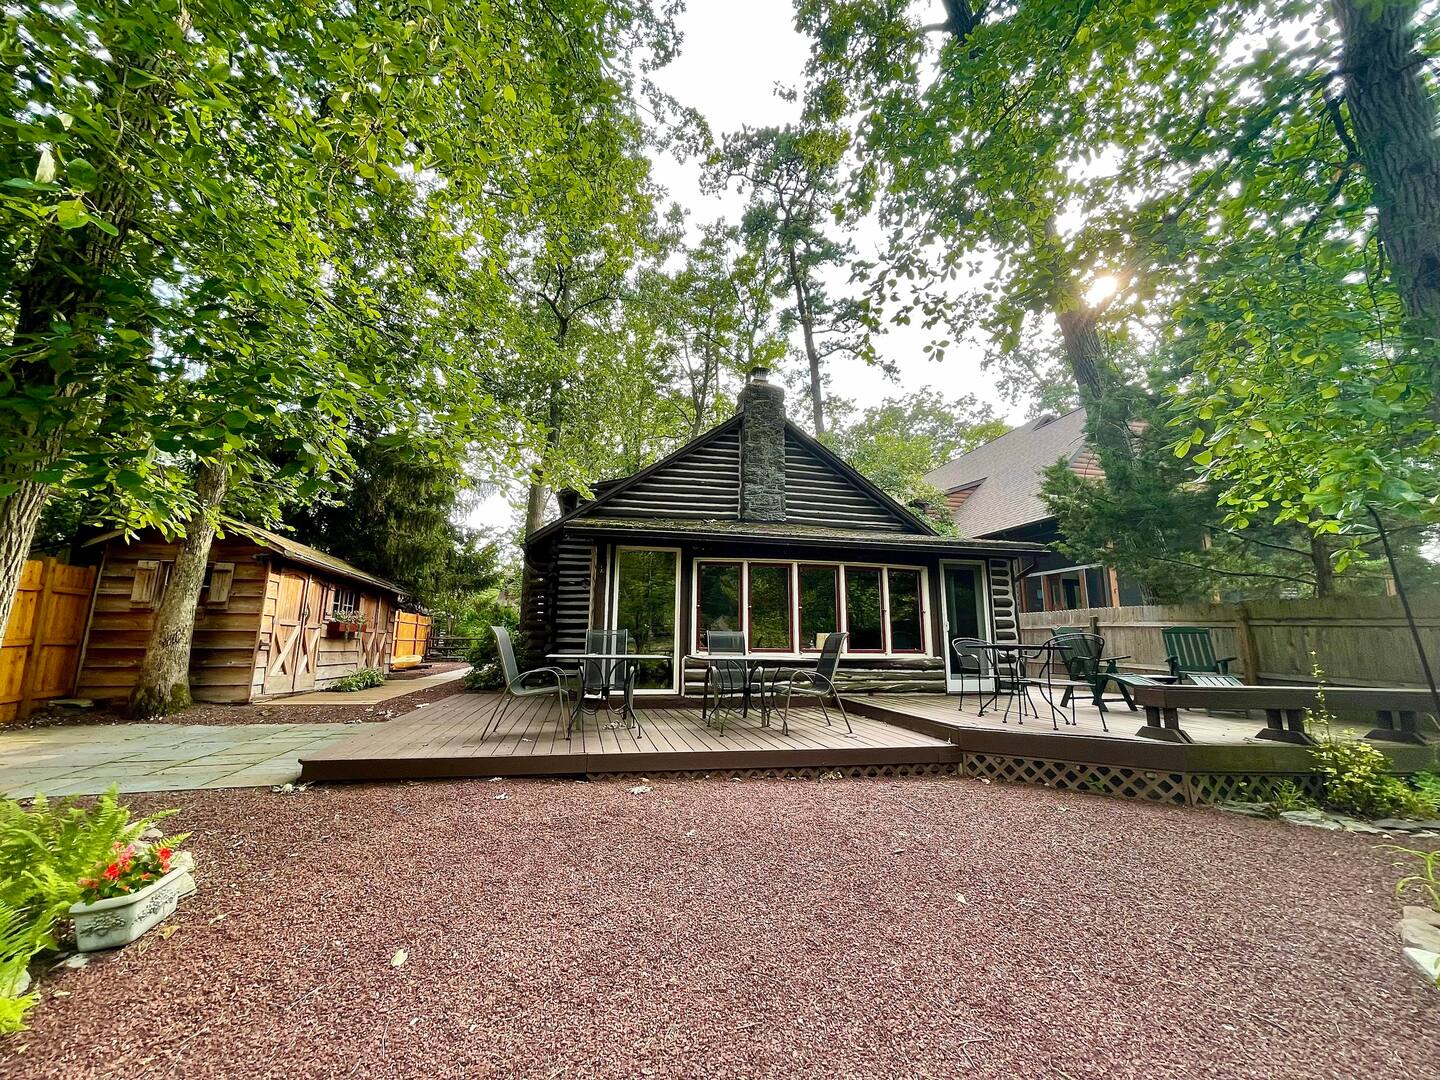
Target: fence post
column 1095, row 625
column 1245, row 645
column 31, row 669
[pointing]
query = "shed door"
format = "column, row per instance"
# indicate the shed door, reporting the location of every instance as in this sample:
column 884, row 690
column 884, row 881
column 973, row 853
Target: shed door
column 297, row 630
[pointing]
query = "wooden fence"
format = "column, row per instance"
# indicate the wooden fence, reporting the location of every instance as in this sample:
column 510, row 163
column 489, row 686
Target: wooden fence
column 411, row 633
column 1357, row 640
column 41, row 644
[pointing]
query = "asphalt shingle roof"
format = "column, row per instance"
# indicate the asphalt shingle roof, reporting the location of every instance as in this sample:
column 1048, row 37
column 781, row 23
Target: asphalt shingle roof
column 1010, row 470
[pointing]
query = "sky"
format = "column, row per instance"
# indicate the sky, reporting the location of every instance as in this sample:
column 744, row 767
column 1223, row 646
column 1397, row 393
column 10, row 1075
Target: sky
column 733, row 56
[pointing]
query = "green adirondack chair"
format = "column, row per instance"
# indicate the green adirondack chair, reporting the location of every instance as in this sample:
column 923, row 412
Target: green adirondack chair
column 1087, row 665
column 1191, row 655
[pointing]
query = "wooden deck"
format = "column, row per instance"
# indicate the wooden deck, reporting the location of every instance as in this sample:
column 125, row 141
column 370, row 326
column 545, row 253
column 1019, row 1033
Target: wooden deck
column 894, row 733
column 443, row 740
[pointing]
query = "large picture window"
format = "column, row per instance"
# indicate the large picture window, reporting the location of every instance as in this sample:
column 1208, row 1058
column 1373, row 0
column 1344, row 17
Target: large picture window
column 819, row 605
column 793, row 607
column 864, row 609
column 717, row 599
column 770, row 607
column 907, row 632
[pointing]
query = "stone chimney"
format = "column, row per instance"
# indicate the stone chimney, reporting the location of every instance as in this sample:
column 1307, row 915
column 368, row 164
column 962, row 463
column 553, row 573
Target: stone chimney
column 762, row 448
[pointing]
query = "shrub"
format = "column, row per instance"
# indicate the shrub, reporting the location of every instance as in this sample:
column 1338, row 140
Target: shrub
column 359, row 680
column 1355, row 776
column 484, row 656
column 45, row 852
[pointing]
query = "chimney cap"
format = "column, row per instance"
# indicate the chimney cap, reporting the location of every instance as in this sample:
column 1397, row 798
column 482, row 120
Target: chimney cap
column 759, row 372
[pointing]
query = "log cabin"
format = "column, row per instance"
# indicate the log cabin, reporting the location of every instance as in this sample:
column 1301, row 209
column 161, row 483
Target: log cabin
column 275, row 616
column 757, row 527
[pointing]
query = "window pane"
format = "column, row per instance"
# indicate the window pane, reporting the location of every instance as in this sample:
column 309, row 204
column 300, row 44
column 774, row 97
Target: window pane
column 1069, row 590
column 770, row 607
column 1097, row 588
column 645, row 605
column 1031, row 593
column 719, row 599
column 906, row 634
column 819, row 604
column 862, row 609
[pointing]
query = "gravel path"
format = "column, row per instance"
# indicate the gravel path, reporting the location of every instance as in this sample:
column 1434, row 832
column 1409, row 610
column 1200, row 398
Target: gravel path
column 747, row 929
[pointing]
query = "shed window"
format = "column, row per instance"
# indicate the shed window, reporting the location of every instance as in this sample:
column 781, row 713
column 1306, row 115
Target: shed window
column 819, row 604
column 770, row 607
column 863, row 609
column 906, row 632
column 148, row 584
column 717, row 599
column 344, row 600
column 219, row 578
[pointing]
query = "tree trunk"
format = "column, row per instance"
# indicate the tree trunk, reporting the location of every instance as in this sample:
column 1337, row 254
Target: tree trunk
column 163, row 686
column 539, row 494
column 1395, row 122
column 807, row 328
column 1324, row 571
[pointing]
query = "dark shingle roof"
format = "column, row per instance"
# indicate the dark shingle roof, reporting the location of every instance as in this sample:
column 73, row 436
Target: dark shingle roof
column 800, row 534
column 1010, row 471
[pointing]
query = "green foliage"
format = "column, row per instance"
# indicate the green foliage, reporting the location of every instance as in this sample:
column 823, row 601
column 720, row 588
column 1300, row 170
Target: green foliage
column 494, row 609
column 396, row 517
column 1355, row 775
column 1425, row 881
column 897, row 442
column 45, row 851
column 363, row 679
column 1288, row 796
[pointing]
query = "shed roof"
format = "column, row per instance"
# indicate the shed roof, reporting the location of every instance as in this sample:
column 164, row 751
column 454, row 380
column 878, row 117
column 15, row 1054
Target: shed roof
column 290, row 549
column 1008, row 473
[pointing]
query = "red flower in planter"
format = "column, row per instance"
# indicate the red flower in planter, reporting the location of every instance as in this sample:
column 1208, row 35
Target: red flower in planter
column 113, row 871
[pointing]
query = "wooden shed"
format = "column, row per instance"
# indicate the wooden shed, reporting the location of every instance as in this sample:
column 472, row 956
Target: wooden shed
column 275, row 616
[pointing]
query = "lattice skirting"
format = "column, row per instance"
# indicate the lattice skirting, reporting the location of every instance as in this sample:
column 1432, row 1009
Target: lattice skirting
column 1118, row 781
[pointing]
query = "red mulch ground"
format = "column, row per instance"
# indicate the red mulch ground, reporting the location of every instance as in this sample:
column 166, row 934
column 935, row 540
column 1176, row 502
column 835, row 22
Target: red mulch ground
column 272, row 712
column 748, row 929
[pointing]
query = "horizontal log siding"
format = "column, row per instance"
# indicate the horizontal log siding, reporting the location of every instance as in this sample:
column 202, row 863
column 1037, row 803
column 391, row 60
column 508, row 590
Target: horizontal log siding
column 704, row 484
column 815, row 494
column 574, row 560
column 1004, row 618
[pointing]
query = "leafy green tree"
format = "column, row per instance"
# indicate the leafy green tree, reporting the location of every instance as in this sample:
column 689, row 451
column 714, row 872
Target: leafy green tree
column 895, row 443
column 210, row 208
column 397, row 516
column 790, row 178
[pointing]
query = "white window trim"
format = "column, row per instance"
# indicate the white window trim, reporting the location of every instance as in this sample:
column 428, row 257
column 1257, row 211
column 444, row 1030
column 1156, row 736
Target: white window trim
column 613, row 611
column 794, row 566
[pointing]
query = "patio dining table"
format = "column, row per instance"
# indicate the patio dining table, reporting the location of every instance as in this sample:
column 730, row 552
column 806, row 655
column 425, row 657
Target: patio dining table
column 1019, row 653
column 622, row 660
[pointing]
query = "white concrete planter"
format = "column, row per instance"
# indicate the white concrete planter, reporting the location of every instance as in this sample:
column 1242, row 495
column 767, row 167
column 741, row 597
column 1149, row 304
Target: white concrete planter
column 108, row 924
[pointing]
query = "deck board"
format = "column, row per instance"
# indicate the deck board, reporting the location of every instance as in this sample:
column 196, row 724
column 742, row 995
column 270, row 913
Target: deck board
column 444, row 740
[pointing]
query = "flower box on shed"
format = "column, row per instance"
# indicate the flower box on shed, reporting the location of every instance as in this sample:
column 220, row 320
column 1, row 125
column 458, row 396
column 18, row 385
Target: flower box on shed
column 334, row 627
column 119, row 920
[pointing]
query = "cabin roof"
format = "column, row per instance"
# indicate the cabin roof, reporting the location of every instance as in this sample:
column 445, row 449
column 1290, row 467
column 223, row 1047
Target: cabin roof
column 607, row 491
column 290, row 549
column 1007, row 473
column 684, row 528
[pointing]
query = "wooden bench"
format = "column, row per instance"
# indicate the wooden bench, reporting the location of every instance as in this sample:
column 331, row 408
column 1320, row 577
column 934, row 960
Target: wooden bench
column 1395, row 710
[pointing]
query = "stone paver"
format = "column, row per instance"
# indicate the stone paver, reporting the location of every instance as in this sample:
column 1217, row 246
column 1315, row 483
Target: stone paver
column 392, row 689
column 89, row 759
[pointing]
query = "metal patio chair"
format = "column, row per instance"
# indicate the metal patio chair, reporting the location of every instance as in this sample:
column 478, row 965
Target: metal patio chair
column 601, row 679
column 970, row 660
column 728, row 673
column 1190, row 652
column 515, row 687
column 819, row 684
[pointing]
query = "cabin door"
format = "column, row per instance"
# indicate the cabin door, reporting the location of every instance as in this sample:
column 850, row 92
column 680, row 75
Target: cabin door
column 962, row 595
column 297, row 632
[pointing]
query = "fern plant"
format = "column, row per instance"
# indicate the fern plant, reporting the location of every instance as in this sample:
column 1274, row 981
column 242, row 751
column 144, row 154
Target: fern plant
column 359, row 680
column 44, row 852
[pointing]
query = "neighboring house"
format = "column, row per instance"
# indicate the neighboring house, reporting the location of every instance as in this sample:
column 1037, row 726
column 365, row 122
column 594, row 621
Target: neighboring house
column 994, row 492
column 275, row 616
column 756, row 527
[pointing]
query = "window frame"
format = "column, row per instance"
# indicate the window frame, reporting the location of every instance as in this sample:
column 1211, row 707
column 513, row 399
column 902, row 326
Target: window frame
column 791, row 607
column 612, row 615
column 890, row 611
column 842, row 614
